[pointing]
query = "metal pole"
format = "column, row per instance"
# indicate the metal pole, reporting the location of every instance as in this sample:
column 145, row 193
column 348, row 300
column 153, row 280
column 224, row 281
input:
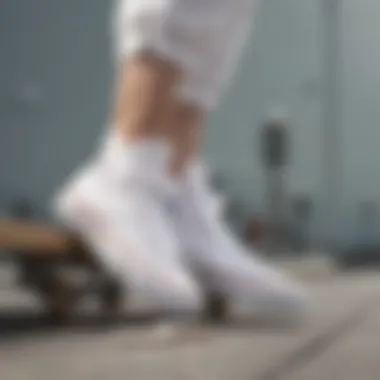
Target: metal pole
column 276, row 206
column 275, row 155
column 331, row 109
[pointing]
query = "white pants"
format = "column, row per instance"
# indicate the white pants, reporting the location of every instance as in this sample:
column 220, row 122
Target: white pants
column 205, row 37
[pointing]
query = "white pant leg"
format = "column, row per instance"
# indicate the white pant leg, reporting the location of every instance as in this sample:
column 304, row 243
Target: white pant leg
column 174, row 29
column 203, row 36
column 204, row 83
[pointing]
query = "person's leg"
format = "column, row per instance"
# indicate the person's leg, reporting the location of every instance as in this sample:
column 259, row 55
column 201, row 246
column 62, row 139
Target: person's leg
column 115, row 201
column 222, row 264
column 202, row 86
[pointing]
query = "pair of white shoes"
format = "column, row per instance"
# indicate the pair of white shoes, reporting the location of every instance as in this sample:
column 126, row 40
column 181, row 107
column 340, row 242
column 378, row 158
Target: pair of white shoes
column 166, row 240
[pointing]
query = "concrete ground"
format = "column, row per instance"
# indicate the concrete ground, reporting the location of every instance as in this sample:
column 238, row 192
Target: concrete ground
column 339, row 340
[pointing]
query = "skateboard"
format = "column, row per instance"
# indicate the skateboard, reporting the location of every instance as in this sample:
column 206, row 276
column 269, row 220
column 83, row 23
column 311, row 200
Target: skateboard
column 47, row 256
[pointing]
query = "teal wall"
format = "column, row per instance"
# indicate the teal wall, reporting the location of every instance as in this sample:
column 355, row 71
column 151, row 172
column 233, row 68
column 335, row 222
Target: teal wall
column 281, row 68
column 360, row 107
column 56, row 81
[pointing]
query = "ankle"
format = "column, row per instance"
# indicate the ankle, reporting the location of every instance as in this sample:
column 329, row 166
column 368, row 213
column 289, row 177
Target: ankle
column 145, row 96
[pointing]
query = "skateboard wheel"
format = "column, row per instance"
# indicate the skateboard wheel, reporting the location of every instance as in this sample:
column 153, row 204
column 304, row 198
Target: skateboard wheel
column 112, row 299
column 216, row 307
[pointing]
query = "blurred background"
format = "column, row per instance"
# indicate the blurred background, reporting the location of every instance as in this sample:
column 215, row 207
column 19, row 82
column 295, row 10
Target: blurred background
column 315, row 62
column 293, row 148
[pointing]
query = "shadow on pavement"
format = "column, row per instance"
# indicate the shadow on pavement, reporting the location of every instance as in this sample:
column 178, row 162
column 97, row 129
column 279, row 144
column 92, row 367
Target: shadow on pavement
column 25, row 324
column 256, row 325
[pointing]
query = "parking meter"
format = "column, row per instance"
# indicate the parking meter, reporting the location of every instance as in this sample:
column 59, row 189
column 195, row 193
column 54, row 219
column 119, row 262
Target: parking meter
column 274, row 144
column 275, row 155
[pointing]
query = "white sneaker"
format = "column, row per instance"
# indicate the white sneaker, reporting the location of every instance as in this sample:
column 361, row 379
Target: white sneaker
column 128, row 232
column 222, row 263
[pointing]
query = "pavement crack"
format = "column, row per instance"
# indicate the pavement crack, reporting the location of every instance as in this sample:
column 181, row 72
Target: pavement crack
column 319, row 344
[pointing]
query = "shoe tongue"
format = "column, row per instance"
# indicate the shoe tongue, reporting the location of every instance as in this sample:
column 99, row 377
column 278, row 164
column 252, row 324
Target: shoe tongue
column 143, row 162
column 197, row 177
column 198, row 189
